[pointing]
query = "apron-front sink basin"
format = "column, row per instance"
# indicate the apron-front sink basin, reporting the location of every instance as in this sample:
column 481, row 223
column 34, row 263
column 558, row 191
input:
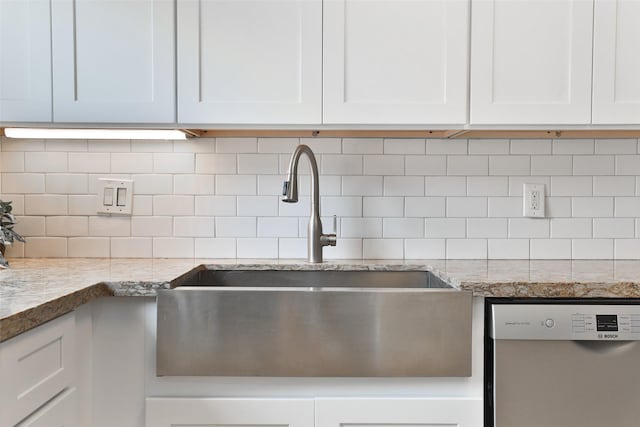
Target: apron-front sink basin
column 243, row 322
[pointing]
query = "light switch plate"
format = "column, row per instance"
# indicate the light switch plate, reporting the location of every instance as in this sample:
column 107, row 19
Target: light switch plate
column 115, row 196
column 533, row 200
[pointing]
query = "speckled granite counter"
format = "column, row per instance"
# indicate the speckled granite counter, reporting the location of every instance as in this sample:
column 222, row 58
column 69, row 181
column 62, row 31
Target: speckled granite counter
column 34, row 291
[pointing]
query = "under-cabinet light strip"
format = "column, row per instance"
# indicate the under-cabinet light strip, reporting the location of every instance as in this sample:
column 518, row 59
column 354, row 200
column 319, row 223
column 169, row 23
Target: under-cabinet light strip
column 43, row 133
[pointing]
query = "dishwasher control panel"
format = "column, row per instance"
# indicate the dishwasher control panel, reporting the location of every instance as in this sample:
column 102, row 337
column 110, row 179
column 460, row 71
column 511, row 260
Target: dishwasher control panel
column 565, row 322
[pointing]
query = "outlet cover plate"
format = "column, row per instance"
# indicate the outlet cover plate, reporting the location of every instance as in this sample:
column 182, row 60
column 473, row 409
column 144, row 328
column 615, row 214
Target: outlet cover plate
column 115, row 196
column 533, row 197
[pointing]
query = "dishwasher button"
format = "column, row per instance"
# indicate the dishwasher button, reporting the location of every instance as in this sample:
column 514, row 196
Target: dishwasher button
column 549, row 323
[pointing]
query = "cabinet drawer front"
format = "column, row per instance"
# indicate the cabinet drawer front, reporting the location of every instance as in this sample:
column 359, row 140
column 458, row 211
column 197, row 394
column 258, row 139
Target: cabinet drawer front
column 60, row 412
column 36, row 366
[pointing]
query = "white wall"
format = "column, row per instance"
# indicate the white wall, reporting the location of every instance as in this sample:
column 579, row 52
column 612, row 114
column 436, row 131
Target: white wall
column 395, row 199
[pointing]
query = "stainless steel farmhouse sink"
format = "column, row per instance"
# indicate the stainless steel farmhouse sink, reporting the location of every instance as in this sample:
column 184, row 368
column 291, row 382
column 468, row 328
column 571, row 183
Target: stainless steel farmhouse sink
column 329, row 323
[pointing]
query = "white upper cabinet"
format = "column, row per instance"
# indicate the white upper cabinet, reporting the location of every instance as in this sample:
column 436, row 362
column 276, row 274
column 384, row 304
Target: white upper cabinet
column 531, row 61
column 616, row 62
column 249, row 61
column 25, row 61
column 113, row 61
column 395, row 61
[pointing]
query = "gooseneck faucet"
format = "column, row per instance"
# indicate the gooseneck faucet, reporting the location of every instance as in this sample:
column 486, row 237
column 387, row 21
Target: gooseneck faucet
column 315, row 239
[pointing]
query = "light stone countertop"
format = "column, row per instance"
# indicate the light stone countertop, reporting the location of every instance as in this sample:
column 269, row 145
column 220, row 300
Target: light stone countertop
column 34, row 291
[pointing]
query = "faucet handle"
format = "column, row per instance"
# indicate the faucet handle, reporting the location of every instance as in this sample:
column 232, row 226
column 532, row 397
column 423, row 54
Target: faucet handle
column 335, row 225
column 330, row 239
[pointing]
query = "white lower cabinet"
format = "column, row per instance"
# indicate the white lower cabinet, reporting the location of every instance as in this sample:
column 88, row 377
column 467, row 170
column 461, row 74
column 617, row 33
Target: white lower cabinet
column 60, row 412
column 417, row 412
column 169, row 412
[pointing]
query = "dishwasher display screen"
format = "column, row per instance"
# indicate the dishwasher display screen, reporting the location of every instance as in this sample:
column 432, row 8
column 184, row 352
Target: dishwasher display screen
column 606, row 322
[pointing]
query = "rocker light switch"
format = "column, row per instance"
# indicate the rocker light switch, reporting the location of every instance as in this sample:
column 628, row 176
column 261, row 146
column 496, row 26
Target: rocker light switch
column 115, row 196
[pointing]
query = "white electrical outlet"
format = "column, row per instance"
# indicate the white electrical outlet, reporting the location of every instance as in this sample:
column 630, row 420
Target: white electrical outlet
column 533, row 200
column 115, row 196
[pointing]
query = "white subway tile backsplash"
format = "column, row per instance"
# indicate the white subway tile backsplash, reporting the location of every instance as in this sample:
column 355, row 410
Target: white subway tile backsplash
column 426, row 165
column 627, row 165
column 446, row 186
column 466, row 207
column 447, row 146
column 516, row 183
column 592, row 249
column 487, row 186
column 467, row 165
column 302, row 208
column 424, row 248
column 614, row 185
column 616, row 146
column 67, row 226
column 592, row 207
column 467, row 248
column 65, row 145
column 383, row 165
column 277, row 227
column 46, row 247
column 194, row 184
column 551, row 165
column 408, row 228
column 292, row 248
column 21, row 144
column 195, row 145
column 142, row 205
column 257, row 248
column 25, row 183
column 17, row 202
column 89, row 247
column 573, row 146
column 131, row 162
column 346, row 164
column 362, row 186
column 382, row 206
column 360, row 227
column 571, row 228
column 151, row 226
column 173, row 205
column 403, row 186
column 109, row 146
column 215, row 206
column 558, row 207
column 258, row 205
column 616, row 228
column 345, row 249
column 236, row 227
column 530, row 146
column 537, row 228
column 382, row 248
column 45, row 162
column 323, row 145
column 132, row 247
column 424, row 207
column 509, row 165
column 627, row 207
column 215, row 248
column 446, row 228
column 216, row 163
column 571, row 186
column 341, row 206
column 593, row 165
column 89, row 162
column 152, row 184
column 404, row 146
column 277, row 145
column 487, row 227
column 173, row 163
column 151, row 146
column 488, row 146
column 627, row 249
column 173, row 247
column 362, row 146
column 508, row 249
column 108, row 226
column 236, row 145
column 11, row 161
column 505, row 207
column 241, row 185
column 550, row 249
column 63, row 183
column 29, row 226
column 45, row 204
column 266, row 164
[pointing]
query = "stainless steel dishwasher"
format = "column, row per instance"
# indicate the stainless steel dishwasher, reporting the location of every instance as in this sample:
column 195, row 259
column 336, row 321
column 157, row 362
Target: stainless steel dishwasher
column 562, row 362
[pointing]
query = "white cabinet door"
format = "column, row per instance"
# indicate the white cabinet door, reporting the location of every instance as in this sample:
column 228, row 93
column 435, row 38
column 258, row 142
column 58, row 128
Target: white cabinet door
column 25, row 61
column 113, row 61
column 395, row 61
column 249, row 61
column 616, row 62
column 36, row 366
column 419, row 412
column 169, row 412
column 531, row 61
column 60, row 412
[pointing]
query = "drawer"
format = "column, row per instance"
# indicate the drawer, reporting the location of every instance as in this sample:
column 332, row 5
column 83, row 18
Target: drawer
column 36, row 366
column 60, row 412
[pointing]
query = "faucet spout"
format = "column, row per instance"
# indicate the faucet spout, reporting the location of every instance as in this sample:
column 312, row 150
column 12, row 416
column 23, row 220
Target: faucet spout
column 315, row 238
